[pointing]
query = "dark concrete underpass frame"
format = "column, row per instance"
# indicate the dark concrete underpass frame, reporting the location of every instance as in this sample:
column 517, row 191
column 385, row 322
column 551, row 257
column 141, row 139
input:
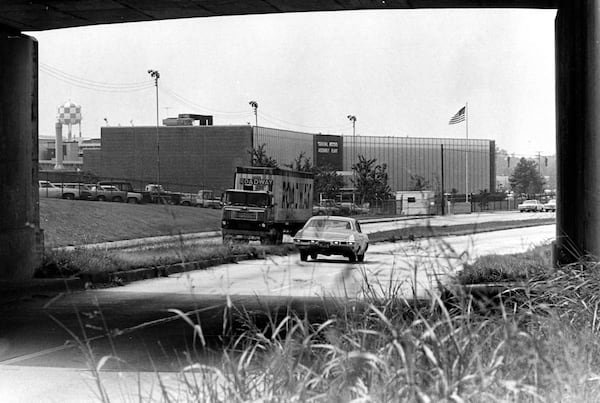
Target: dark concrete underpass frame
column 577, row 142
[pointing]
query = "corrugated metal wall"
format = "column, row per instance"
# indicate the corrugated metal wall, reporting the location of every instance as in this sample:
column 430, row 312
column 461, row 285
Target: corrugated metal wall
column 406, row 156
column 284, row 145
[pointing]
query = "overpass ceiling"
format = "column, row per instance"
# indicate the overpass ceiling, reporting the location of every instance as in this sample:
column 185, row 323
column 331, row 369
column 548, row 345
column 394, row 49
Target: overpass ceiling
column 39, row 15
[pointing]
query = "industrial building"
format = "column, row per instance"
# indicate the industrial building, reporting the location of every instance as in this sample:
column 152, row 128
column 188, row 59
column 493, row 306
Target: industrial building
column 190, row 157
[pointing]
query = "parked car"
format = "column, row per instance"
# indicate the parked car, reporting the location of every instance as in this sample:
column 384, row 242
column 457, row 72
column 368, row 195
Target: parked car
column 329, row 235
column 550, row 206
column 327, row 207
column 81, row 191
column 131, row 197
column 207, row 199
column 352, row 209
column 107, row 192
column 531, row 205
column 48, row 189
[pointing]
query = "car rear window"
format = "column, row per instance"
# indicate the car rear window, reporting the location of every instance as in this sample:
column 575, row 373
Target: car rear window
column 330, row 224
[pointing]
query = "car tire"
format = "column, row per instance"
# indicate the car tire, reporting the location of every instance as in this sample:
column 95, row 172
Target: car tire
column 101, row 198
column 117, row 199
column 313, row 256
column 361, row 258
column 68, row 196
column 303, row 256
column 132, row 200
column 352, row 258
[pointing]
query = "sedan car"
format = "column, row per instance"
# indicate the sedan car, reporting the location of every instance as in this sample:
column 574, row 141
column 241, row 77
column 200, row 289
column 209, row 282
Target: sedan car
column 332, row 235
column 550, row 206
column 531, row 205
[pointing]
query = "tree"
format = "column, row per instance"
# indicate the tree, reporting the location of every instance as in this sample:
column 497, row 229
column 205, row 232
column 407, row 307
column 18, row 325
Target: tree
column 301, row 163
column 370, row 180
column 259, row 157
column 327, row 182
column 526, row 177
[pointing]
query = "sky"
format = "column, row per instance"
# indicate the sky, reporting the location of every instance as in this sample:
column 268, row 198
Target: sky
column 402, row 73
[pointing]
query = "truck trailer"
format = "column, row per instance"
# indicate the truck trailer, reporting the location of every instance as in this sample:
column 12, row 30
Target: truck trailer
column 265, row 203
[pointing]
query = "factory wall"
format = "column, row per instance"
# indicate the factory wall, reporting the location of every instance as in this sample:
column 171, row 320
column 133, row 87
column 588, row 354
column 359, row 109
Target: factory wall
column 191, row 157
column 195, row 157
column 284, row 145
column 407, row 157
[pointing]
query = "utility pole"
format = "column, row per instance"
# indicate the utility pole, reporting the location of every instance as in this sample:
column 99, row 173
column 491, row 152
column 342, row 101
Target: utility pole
column 156, row 75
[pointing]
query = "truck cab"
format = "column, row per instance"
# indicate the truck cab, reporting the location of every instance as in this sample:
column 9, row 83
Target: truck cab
column 248, row 215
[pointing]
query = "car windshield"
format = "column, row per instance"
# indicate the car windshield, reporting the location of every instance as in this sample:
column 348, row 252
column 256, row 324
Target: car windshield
column 329, row 224
column 247, row 199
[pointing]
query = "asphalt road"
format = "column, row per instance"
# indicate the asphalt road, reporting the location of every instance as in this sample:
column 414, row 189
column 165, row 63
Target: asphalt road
column 137, row 322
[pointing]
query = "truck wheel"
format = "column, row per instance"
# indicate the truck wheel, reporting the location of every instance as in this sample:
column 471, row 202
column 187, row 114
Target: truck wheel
column 117, row 199
column 132, row 200
column 101, row 198
column 68, row 196
column 361, row 258
column 303, row 256
column 352, row 257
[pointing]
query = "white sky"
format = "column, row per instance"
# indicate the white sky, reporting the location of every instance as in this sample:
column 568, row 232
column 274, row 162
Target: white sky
column 401, row 73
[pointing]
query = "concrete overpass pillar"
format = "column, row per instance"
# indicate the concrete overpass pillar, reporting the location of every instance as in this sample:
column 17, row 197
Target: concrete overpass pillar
column 578, row 130
column 21, row 241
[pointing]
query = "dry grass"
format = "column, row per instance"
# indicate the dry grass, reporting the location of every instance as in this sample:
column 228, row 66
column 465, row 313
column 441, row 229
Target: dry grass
column 507, row 268
column 540, row 346
column 77, row 222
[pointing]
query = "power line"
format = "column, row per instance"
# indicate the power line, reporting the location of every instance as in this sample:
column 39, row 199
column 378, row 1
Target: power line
column 188, row 102
column 91, row 84
column 322, row 128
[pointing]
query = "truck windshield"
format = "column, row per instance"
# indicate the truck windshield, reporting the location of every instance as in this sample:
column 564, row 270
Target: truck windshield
column 247, row 199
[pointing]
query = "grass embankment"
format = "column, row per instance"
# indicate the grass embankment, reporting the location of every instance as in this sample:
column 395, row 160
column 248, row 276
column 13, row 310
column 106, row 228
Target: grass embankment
column 74, row 222
column 77, row 222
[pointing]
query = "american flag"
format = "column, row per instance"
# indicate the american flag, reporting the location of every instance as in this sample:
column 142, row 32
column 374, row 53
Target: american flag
column 458, row 117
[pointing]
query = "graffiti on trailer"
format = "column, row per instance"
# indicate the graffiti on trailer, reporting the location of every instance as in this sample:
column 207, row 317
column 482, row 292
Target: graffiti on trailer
column 296, row 195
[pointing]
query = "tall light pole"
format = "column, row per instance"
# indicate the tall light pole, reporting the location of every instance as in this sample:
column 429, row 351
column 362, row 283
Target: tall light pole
column 254, row 105
column 352, row 118
column 156, row 75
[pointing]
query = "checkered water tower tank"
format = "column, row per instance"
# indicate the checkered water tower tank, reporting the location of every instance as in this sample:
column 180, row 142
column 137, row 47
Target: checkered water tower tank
column 69, row 114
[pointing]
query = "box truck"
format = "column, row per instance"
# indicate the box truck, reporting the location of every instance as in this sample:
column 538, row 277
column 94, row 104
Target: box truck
column 265, row 203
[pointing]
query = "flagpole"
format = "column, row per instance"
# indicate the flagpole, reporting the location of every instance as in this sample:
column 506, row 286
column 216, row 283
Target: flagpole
column 467, row 153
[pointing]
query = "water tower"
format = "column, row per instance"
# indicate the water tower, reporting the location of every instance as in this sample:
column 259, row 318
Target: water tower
column 69, row 114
